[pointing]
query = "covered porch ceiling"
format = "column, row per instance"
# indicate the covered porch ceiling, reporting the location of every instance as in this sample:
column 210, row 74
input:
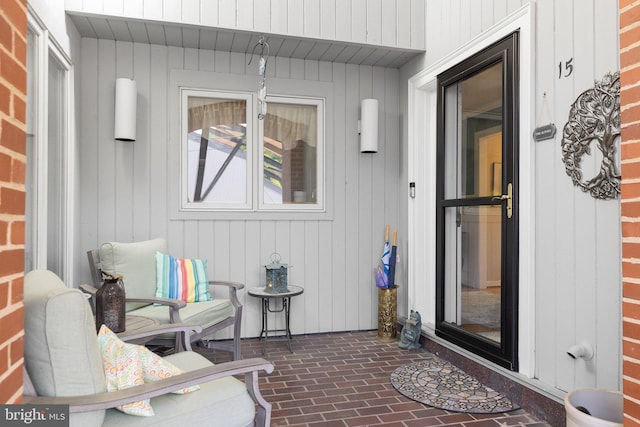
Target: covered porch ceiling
column 226, row 40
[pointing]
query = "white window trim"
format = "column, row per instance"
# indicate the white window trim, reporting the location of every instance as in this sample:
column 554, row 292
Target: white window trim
column 208, row 80
column 320, row 195
column 422, row 107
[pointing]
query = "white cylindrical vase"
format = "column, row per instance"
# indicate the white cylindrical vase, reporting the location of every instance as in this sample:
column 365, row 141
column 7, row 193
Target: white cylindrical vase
column 125, row 117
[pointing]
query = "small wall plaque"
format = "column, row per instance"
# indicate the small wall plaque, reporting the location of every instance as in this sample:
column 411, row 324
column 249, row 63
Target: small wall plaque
column 544, row 132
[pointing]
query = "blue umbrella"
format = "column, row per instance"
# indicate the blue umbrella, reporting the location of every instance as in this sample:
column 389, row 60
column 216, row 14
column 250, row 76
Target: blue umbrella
column 392, row 262
column 386, row 253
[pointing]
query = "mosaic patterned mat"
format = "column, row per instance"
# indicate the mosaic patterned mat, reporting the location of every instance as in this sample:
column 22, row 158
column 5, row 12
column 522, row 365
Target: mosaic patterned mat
column 438, row 383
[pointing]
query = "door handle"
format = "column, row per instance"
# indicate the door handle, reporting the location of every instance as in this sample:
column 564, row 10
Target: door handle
column 509, row 198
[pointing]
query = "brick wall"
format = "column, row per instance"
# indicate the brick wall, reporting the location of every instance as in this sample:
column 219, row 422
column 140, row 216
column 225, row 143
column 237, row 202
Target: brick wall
column 297, row 167
column 630, row 169
column 13, row 89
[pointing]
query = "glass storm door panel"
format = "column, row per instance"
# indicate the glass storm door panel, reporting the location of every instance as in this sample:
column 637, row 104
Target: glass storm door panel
column 476, row 239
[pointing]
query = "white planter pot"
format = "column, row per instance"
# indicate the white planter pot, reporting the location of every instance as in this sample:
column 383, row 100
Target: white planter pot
column 605, row 407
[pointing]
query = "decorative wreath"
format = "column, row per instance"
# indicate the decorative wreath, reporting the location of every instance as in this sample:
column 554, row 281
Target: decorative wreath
column 594, row 117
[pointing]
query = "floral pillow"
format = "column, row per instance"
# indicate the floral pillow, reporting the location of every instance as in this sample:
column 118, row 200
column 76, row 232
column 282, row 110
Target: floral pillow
column 181, row 278
column 128, row 365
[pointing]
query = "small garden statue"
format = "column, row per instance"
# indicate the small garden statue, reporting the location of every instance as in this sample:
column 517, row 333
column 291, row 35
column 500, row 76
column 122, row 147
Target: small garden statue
column 410, row 335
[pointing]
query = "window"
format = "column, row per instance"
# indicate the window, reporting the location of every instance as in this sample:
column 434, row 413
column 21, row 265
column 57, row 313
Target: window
column 217, row 153
column 291, row 136
column 233, row 161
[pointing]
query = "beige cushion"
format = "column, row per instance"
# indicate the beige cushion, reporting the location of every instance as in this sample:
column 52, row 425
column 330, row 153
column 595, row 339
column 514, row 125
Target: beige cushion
column 221, row 403
column 205, row 313
column 136, row 263
column 60, row 347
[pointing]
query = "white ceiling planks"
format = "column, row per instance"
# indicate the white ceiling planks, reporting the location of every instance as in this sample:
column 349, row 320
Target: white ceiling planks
column 191, row 37
column 138, row 32
column 197, row 37
column 156, row 34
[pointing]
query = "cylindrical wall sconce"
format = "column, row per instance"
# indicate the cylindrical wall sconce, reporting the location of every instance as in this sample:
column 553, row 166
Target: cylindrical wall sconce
column 125, row 119
column 369, row 126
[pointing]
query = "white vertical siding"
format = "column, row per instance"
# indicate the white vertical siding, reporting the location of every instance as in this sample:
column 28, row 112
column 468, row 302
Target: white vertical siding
column 88, row 168
column 262, row 15
column 578, row 236
column 126, row 183
column 608, row 291
column 585, row 216
column 561, row 199
column 359, row 21
column 327, row 19
column 337, row 257
column 577, row 242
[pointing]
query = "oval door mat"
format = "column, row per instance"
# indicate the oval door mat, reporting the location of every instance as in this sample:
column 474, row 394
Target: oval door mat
column 438, row 383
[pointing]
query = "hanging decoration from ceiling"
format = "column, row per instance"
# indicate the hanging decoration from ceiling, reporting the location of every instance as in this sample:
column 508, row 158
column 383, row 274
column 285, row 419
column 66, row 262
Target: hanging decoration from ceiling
column 594, row 118
column 262, row 71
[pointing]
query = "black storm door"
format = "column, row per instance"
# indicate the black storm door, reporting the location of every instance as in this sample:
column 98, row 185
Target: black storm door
column 477, row 209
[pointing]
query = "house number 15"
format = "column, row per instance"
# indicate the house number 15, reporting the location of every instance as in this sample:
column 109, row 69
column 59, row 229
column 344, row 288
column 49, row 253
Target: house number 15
column 567, row 66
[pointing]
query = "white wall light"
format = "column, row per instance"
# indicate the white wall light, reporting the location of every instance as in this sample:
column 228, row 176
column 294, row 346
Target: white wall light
column 369, row 126
column 125, row 119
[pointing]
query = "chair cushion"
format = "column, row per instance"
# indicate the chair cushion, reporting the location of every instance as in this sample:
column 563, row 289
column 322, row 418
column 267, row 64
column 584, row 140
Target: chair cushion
column 60, row 347
column 205, row 314
column 136, row 263
column 181, row 278
column 220, row 403
column 127, row 365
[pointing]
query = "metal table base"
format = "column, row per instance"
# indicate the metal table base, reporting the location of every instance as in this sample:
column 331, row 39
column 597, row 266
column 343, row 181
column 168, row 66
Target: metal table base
column 269, row 306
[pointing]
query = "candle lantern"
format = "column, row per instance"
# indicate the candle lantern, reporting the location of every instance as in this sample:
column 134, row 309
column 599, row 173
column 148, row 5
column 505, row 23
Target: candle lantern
column 110, row 303
column 276, row 275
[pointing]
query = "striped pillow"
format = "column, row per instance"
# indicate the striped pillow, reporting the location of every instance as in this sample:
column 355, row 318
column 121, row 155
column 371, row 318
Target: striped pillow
column 181, row 278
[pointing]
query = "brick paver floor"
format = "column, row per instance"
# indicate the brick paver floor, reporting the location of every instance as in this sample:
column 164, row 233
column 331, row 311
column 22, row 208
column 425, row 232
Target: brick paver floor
column 342, row 380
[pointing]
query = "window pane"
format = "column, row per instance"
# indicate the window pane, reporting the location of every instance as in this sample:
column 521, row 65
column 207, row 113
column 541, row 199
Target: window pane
column 217, row 150
column 55, row 142
column 473, row 269
column 473, row 132
column 290, row 169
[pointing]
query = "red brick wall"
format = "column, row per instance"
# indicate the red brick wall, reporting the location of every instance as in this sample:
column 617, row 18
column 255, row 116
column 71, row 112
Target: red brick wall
column 13, row 89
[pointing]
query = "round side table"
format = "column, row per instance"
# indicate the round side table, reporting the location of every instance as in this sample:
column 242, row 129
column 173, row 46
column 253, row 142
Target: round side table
column 269, row 306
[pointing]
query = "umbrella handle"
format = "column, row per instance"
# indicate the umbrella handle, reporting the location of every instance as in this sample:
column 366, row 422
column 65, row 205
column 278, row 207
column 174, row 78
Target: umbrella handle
column 395, row 237
column 386, row 233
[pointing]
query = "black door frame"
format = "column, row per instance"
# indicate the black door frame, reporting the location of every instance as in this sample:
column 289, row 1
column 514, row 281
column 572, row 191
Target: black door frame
column 506, row 352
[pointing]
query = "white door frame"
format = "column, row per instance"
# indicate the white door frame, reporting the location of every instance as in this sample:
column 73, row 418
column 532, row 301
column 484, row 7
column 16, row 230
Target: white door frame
column 46, row 45
column 422, row 107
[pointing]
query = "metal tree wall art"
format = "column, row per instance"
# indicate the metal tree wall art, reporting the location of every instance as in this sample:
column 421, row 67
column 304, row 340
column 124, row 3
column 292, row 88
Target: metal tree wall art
column 594, row 117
